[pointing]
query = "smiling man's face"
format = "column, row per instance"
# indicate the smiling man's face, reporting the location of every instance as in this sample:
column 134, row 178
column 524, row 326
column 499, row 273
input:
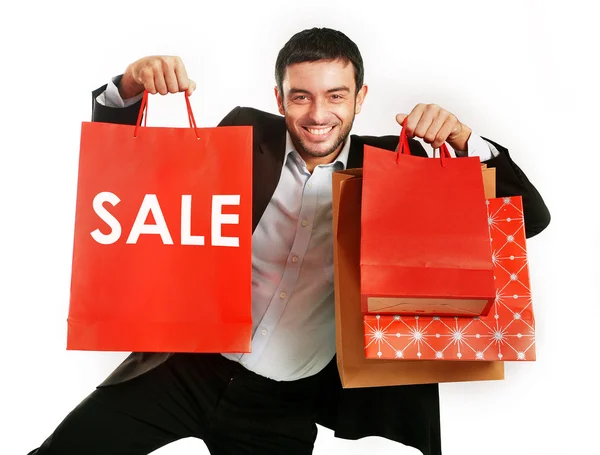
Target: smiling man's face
column 319, row 102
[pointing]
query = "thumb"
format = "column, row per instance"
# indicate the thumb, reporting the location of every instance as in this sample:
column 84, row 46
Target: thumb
column 400, row 118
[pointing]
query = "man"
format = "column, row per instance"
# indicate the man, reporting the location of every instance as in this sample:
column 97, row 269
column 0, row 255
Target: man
column 269, row 401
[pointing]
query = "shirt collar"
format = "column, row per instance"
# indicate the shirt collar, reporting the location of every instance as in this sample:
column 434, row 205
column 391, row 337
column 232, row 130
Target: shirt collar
column 340, row 161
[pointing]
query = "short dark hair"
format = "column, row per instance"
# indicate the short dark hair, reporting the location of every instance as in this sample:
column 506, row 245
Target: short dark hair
column 316, row 44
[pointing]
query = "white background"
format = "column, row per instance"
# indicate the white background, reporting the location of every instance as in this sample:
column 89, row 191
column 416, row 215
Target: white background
column 521, row 72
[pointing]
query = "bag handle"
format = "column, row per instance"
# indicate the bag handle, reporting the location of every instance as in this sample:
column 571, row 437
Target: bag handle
column 404, row 148
column 144, row 109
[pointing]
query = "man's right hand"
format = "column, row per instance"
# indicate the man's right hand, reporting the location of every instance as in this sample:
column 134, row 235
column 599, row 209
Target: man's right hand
column 157, row 74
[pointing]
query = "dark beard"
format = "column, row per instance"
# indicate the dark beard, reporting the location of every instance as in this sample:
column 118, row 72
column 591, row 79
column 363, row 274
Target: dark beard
column 338, row 142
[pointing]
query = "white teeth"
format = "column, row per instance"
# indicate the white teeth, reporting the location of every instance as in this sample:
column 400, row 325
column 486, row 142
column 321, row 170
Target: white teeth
column 320, row 131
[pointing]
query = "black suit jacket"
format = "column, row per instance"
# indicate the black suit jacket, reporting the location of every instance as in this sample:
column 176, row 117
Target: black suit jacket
column 407, row 414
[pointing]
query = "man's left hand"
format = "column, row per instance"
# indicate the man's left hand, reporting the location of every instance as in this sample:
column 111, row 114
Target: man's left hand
column 435, row 126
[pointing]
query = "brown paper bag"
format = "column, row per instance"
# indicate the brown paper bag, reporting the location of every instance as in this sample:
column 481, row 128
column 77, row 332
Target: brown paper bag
column 354, row 369
column 489, row 181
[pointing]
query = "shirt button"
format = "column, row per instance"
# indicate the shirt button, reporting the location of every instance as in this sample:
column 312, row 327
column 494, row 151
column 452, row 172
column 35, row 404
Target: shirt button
column 304, row 223
column 282, row 295
column 264, row 332
column 310, row 185
column 294, row 259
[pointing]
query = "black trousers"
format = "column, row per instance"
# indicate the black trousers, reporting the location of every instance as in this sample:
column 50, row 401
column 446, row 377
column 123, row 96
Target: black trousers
column 233, row 410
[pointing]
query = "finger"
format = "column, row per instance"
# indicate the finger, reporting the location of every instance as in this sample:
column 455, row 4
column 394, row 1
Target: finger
column 400, row 118
column 171, row 79
column 413, row 119
column 191, row 88
column 444, row 132
column 436, row 125
column 159, row 82
column 147, row 80
column 429, row 113
column 182, row 78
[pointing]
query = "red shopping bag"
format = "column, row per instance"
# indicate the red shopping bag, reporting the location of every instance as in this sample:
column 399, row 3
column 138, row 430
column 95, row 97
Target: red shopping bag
column 425, row 242
column 162, row 243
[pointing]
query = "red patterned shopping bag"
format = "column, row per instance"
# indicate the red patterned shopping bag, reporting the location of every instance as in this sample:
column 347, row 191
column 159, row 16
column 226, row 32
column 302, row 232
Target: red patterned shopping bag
column 506, row 333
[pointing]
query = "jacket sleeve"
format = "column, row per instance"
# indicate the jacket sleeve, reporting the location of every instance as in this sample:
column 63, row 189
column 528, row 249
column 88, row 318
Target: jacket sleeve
column 121, row 115
column 512, row 181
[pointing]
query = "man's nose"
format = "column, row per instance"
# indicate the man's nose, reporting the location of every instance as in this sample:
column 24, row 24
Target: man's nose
column 319, row 112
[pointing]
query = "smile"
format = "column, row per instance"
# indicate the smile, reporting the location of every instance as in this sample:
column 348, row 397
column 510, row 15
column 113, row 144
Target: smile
column 319, row 131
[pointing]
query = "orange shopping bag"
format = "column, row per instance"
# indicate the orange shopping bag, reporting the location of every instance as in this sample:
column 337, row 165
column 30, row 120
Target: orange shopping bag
column 162, row 243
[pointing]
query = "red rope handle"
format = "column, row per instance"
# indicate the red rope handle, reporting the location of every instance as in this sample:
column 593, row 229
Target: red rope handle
column 144, row 110
column 404, row 148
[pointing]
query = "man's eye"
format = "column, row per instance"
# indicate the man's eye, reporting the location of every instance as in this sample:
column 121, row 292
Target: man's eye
column 337, row 97
column 300, row 98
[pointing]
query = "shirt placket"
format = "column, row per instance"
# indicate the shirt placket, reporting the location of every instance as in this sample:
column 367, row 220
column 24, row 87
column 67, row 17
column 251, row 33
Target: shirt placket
column 278, row 303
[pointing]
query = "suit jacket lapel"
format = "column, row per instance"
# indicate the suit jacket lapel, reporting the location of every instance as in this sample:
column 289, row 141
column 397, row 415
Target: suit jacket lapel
column 266, row 167
column 355, row 155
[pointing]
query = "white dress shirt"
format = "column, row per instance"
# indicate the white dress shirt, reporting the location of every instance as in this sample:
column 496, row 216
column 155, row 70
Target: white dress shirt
column 293, row 318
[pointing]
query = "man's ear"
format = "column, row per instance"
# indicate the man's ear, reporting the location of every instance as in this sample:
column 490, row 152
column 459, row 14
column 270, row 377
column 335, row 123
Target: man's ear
column 279, row 97
column 360, row 98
